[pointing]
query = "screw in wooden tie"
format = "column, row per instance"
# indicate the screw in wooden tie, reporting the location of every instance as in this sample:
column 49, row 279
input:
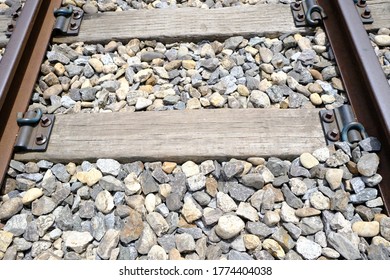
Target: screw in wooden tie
column 45, row 121
column 362, row 3
column 73, row 25
column 333, row 135
column 76, row 15
column 366, row 13
column 40, row 139
column 296, row 6
column 328, row 117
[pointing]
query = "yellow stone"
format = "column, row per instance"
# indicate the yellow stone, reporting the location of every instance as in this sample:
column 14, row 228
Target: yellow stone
column 147, row 88
column 188, row 64
column 31, row 195
column 274, row 248
column 174, row 254
column 251, row 241
column 71, row 168
column 5, row 240
column 379, row 217
column 211, row 186
column 366, row 229
column 168, row 167
column 90, row 178
column 165, row 190
column 243, row 90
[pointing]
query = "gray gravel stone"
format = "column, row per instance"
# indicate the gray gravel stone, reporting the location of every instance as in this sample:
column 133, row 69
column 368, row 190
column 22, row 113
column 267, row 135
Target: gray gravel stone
column 235, row 255
column 363, row 196
column 157, row 223
column 108, row 166
column 111, row 184
column 293, row 230
column 370, row 144
column 385, row 228
column 10, row 207
column 233, row 42
column 64, row 219
column 378, row 252
column 311, row 225
column 148, row 184
column 146, row 240
column 59, row 170
column 240, row 192
column 31, row 233
column 231, row 169
column 259, row 229
column 16, row 225
column 185, row 243
column 108, row 244
column 42, row 206
column 344, row 246
column 254, row 180
column 368, row 164
column 291, row 199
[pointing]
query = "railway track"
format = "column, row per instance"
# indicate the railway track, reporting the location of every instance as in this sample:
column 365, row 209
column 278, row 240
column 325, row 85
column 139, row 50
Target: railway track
column 192, row 133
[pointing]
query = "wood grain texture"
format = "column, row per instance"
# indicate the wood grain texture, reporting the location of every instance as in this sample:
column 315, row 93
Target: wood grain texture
column 194, row 24
column 185, row 24
column 182, row 135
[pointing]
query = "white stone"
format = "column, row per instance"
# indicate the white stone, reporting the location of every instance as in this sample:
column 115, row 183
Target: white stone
column 334, row 177
column 298, row 187
column 308, row 249
column 229, row 226
column 104, row 202
column 322, row 154
column 308, row 160
column 190, row 212
column 190, row 168
column 319, row 201
column 288, row 214
column 77, row 241
column 225, row 202
column 382, row 40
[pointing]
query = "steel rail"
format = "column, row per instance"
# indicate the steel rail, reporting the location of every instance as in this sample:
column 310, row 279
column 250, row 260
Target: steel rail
column 19, row 69
column 365, row 83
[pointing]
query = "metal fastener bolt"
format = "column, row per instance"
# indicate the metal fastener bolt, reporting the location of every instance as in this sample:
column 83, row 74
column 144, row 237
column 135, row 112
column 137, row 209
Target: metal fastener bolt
column 328, row 117
column 362, row 3
column 73, row 25
column 333, row 135
column 40, row 139
column 77, row 15
column 45, row 121
column 296, row 6
column 366, row 13
column 300, row 16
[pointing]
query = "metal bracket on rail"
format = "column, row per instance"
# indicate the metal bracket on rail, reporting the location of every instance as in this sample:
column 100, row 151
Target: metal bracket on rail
column 68, row 21
column 34, row 132
column 12, row 24
column 364, row 11
column 340, row 124
column 307, row 13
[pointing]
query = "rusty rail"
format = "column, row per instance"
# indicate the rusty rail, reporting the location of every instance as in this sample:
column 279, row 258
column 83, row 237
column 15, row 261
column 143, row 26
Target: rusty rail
column 365, row 83
column 19, row 68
